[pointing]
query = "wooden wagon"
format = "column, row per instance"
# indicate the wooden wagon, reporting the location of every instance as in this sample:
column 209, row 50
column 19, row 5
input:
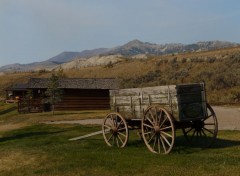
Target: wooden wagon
column 157, row 112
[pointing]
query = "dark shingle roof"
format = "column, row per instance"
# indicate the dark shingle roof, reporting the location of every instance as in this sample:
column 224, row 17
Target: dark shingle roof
column 18, row 87
column 76, row 83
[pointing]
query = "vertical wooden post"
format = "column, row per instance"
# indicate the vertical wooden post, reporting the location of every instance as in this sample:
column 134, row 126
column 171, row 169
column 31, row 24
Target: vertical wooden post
column 170, row 99
column 114, row 102
column 140, row 104
column 149, row 98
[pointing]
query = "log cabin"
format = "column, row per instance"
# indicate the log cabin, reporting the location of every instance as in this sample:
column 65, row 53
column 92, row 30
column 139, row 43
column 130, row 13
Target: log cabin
column 15, row 92
column 77, row 94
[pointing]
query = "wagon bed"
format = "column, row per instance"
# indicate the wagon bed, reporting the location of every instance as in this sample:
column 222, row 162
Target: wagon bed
column 157, row 112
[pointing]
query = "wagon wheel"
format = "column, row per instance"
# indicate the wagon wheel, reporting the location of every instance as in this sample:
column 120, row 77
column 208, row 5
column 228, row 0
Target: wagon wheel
column 115, row 130
column 202, row 133
column 158, row 130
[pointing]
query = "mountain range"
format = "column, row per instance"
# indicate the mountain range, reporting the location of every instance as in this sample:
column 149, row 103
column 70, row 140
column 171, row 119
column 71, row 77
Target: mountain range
column 103, row 56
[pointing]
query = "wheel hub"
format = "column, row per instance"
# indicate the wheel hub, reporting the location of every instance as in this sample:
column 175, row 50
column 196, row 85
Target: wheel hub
column 157, row 129
column 198, row 125
column 114, row 130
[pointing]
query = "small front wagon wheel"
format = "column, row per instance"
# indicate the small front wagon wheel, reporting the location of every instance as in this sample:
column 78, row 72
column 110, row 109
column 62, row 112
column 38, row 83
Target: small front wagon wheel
column 202, row 133
column 158, row 130
column 115, row 130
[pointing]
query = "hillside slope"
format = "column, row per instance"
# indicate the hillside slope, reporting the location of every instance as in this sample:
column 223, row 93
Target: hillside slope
column 220, row 69
column 131, row 48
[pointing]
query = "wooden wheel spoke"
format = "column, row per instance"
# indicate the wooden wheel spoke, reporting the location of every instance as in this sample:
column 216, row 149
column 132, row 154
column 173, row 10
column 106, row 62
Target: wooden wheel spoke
column 154, row 120
column 115, row 122
column 165, row 139
column 193, row 134
column 188, row 130
column 121, row 122
column 208, row 116
column 205, row 136
column 144, row 124
column 165, row 128
column 200, row 133
column 120, row 139
column 198, row 136
column 113, row 141
column 209, row 123
column 156, row 116
column 150, row 121
column 166, row 134
column 154, row 143
column 163, row 122
column 112, row 120
column 122, row 129
column 117, row 140
column 110, row 137
column 203, row 133
column 146, row 133
column 164, row 147
column 150, row 139
column 159, row 145
column 109, row 127
column 208, row 130
column 161, row 111
column 122, row 134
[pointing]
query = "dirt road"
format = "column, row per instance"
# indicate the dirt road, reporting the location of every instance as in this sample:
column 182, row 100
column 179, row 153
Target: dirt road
column 228, row 119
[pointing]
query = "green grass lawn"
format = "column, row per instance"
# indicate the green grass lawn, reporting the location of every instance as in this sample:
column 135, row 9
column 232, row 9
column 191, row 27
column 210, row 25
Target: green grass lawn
column 45, row 150
column 33, row 148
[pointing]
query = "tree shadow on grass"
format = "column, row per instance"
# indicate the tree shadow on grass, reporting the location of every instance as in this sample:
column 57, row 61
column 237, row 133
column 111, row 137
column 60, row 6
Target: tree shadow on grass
column 28, row 135
column 8, row 110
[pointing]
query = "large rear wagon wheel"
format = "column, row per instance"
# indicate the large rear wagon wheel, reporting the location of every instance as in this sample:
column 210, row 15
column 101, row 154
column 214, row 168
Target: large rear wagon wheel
column 158, row 130
column 202, row 133
column 115, row 130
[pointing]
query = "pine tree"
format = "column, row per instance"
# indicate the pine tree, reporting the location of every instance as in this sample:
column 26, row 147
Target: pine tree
column 53, row 93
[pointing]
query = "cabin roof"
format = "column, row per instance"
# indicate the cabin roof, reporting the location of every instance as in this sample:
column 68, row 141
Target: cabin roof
column 18, row 87
column 76, row 83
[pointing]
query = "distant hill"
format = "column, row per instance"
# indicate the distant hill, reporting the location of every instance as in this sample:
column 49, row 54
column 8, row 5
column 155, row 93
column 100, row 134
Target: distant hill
column 137, row 47
column 131, row 48
column 69, row 56
column 53, row 62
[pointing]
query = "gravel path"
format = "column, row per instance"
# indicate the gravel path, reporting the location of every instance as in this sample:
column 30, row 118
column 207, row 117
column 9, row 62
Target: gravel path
column 82, row 122
column 228, row 119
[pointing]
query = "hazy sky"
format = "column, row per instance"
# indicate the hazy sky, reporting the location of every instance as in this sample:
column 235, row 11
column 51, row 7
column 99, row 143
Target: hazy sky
column 36, row 30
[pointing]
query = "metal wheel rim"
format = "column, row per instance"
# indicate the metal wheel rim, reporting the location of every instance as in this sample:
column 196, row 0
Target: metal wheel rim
column 203, row 133
column 115, row 130
column 158, row 130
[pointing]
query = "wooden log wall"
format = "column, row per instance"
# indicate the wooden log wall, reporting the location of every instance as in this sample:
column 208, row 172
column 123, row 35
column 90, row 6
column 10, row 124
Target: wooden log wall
column 83, row 103
column 73, row 100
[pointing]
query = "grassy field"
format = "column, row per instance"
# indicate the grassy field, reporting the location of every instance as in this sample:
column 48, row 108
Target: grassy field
column 40, row 149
